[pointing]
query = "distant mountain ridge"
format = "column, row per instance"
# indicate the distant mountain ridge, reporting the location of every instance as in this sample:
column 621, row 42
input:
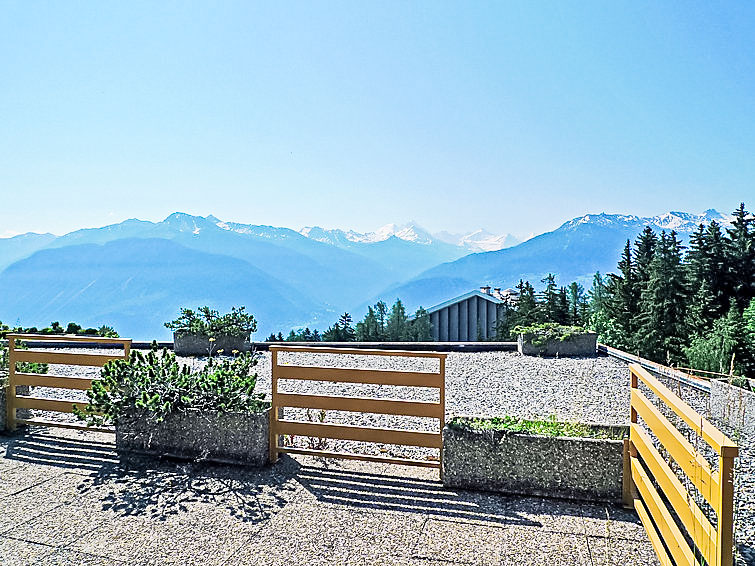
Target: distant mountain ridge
column 479, row 240
column 574, row 252
column 136, row 274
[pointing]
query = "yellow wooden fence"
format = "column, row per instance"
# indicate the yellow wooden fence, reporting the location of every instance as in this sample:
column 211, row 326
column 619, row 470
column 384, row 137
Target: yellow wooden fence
column 662, row 496
column 16, row 378
column 434, row 410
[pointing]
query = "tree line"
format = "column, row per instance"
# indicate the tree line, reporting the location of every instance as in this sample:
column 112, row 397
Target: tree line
column 378, row 325
column 674, row 307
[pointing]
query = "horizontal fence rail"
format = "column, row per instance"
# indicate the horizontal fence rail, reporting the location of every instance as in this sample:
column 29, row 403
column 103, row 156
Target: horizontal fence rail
column 280, row 426
column 678, row 528
column 18, row 378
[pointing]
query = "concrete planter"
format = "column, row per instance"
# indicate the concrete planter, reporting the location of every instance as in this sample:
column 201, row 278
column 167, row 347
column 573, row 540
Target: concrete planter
column 733, row 406
column 20, row 413
column 200, row 345
column 578, row 345
column 228, row 438
column 570, row 468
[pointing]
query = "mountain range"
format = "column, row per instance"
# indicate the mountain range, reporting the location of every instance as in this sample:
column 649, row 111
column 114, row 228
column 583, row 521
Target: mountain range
column 137, row 274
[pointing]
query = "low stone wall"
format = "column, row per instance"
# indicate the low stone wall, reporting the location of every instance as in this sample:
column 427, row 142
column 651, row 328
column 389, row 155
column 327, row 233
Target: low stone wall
column 579, row 345
column 228, row 438
column 570, row 468
column 195, row 345
column 733, row 406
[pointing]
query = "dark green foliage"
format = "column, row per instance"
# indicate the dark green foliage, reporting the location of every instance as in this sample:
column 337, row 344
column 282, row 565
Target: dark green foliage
column 341, row 331
column 156, row 383
column 209, row 322
column 55, row 328
column 420, row 328
column 728, row 348
column 398, row 323
column 539, row 334
column 549, row 427
column 687, row 309
column 662, row 331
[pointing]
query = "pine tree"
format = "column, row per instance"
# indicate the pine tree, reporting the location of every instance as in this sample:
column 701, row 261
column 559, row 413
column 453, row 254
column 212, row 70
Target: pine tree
column 367, row 330
column 576, row 297
column 597, row 293
column 421, row 328
column 381, row 314
column 550, row 299
column 662, row 332
column 644, row 250
column 709, row 282
column 622, row 303
column 527, row 308
column 562, row 314
column 396, row 327
column 347, row 331
column 742, row 257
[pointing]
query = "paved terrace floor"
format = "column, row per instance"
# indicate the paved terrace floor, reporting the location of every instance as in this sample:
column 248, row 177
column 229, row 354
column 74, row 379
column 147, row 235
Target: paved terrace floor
column 66, row 500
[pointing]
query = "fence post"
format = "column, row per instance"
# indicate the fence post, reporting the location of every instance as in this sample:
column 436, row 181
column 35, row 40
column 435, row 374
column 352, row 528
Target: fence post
column 725, row 512
column 442, row 370
column 274, row 407
column 11, row 393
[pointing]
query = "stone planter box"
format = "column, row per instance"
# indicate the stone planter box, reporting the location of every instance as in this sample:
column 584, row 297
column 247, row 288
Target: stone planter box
column 525, row 464
column 231, row 438
column 579, row 345
column 733, row 406
column 200, row 345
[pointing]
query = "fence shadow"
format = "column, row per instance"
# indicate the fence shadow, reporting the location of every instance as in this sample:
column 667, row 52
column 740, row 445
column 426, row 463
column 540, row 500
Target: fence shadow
column 384, row 492
column 61, row 452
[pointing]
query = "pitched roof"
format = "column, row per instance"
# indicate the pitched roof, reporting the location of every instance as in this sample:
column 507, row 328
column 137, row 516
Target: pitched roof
column 464, row 297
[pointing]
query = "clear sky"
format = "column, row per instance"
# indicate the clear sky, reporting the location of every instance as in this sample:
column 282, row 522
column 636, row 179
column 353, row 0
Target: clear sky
column 505, row 115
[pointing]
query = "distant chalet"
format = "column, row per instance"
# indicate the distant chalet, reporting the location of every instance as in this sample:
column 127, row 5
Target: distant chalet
column 470, row 317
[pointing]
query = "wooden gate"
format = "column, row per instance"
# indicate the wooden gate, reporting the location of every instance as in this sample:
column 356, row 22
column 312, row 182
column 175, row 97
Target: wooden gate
column 432, row 410
column 16, row 378
column 671, row 529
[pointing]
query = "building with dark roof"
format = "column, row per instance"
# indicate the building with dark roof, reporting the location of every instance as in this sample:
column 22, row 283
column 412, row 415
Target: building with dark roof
column 467, row 318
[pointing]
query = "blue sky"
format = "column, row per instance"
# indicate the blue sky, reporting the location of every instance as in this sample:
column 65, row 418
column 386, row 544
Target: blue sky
column 505, row 115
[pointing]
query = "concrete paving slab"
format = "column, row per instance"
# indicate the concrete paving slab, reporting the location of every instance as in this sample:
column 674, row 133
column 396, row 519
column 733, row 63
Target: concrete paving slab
column 88, row 509
column 612, row 551
column 20, row 553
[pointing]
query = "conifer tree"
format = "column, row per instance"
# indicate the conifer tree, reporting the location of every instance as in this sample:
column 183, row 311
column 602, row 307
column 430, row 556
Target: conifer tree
column 381, row 315
column 550, row 299
column 662, row 332
column 742, row 257
column 396, row 327
column 421, row 327
column 347, row 333
column 576, row 299
column 622, row 303
column 367, row 330
column 527, row 308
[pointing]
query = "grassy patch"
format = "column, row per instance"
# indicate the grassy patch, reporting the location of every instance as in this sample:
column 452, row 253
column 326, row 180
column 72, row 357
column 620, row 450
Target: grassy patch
column 549, row 427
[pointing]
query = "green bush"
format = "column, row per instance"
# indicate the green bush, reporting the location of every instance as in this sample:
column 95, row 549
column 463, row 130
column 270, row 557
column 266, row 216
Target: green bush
column 156, row 383
column 549, row 427
column 208, row 322
column 540, row 334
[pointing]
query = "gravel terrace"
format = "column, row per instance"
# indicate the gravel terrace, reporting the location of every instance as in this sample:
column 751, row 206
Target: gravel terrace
column 488, row 384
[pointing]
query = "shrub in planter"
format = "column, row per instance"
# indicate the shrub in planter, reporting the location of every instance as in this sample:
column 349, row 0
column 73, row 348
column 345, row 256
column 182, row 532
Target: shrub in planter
column 161, row 407
column 546, row 458
column 207, row 332
column 551, row 339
